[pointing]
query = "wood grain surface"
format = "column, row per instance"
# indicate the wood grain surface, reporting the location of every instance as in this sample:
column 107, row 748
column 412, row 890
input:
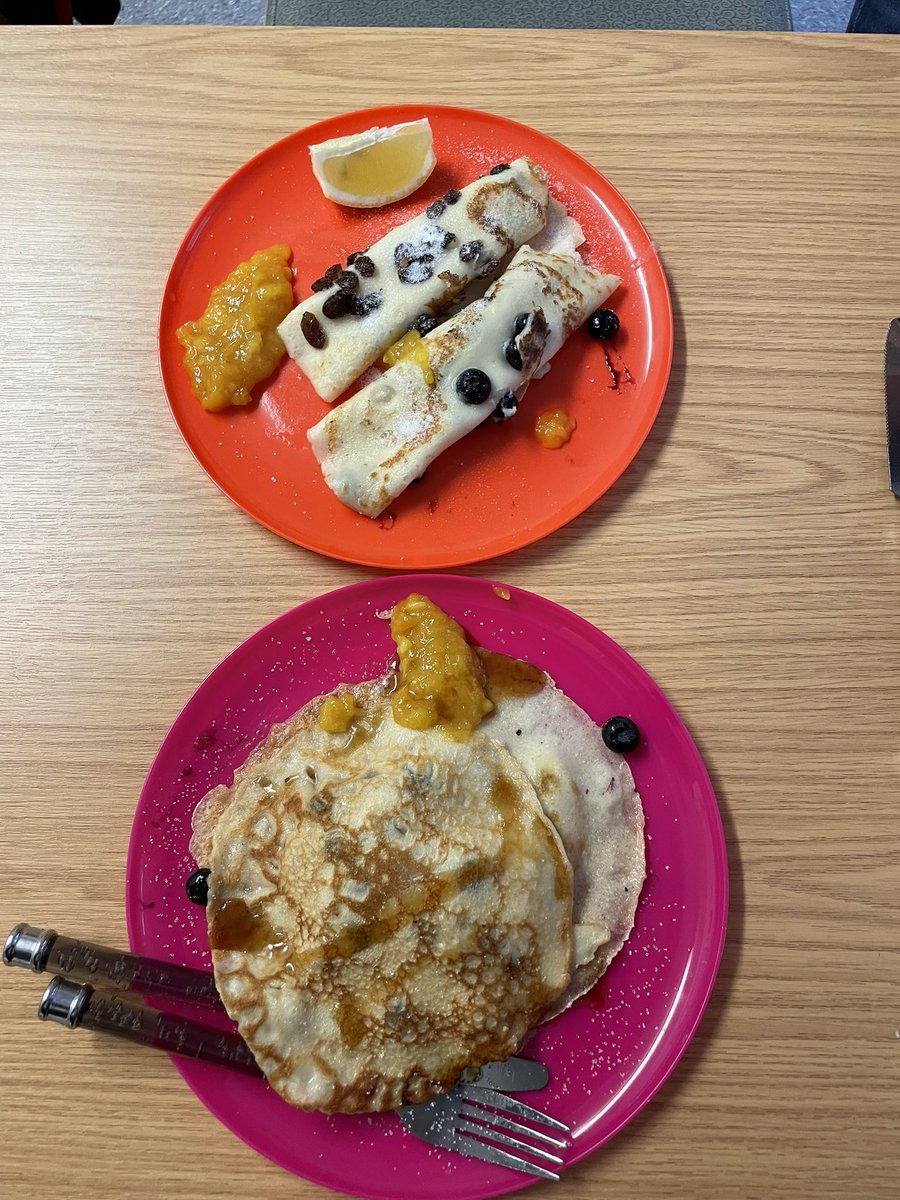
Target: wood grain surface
column 748, row 558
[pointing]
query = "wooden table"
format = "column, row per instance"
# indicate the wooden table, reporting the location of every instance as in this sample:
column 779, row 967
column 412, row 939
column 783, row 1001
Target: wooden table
column 748, row 558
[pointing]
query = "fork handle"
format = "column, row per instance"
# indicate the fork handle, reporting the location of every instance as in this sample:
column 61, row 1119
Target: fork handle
column 80, row 1006
column 46, row 950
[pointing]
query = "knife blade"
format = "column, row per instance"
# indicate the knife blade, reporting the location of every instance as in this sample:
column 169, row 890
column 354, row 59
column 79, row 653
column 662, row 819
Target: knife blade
column 892, row 401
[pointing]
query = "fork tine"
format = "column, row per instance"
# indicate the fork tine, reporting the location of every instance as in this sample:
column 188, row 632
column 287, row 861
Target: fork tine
column 471, row 1113
column 491, row 1099
column 491, row 1154
column 494, row 1135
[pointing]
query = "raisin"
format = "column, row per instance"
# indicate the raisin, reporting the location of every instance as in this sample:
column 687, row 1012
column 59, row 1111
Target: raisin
column 403, row 254
column 488, row 269
column 364, row 266
column 452, row 196
column 448, row 238
column 416, row 271
column 366, row 304
column 313, row 331
column 322, row 285
column 351, row 258
column 348, row 280
column 338, row 304
column 333, row 271
column 469, row 251
column 435, row 210
column 499, row 169
column 521, row 321
column 424, row 324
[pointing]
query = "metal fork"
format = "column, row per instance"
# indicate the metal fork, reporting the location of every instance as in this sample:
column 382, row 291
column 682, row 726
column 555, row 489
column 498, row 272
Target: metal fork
column 477, row 1122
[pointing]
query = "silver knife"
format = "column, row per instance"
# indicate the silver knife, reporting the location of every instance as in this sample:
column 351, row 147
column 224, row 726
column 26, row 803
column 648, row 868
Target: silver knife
column 892, row 401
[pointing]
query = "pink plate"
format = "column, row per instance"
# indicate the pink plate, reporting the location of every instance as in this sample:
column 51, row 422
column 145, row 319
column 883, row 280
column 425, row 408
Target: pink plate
column 607, row 1056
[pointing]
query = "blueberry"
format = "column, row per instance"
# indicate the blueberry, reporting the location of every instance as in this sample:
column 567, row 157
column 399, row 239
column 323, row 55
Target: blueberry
column 603, row 324
column 499, row 169
column 507, row 406
column 521, row 321
column 621, row 734
column 513, row 355
column 473, row 386
column 197, row 885
column 424, row 324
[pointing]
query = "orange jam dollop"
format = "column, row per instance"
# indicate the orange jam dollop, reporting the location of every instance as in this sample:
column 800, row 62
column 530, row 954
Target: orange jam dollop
column 441, row 679
column 235, row 344
column 411, row 348
column 553, row 428
column 338, row 713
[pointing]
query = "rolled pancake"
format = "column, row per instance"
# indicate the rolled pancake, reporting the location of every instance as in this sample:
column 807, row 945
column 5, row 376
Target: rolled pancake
column 378, row 441
column 492, row 217
column 561, row 233
column 387, row 907
column 588, row 792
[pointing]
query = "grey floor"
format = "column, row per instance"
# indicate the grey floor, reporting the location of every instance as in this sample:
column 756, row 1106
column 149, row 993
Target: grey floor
column 810, row 16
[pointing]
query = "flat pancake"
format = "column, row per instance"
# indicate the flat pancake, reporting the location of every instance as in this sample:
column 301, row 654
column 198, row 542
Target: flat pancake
column 387, row 907
column 588, row 792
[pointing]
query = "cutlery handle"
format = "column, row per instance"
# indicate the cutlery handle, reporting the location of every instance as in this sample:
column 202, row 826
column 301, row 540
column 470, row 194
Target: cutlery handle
column 47, row 950
column 513, row 1075
column 80, row 1006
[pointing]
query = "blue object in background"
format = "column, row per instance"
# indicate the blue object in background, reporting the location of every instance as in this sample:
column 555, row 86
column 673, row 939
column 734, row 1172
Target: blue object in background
column 875, row 16
column 193, row 12
column 819, row 16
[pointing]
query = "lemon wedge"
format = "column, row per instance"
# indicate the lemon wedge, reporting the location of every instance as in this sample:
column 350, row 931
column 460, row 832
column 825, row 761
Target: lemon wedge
column 377, row 167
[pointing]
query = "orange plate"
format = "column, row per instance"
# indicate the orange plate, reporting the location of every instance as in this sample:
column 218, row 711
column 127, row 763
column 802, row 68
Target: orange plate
column 497, row 489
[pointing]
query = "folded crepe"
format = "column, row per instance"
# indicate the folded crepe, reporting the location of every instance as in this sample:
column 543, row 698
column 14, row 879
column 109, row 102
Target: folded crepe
column 378, row 441
column 420, row 268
